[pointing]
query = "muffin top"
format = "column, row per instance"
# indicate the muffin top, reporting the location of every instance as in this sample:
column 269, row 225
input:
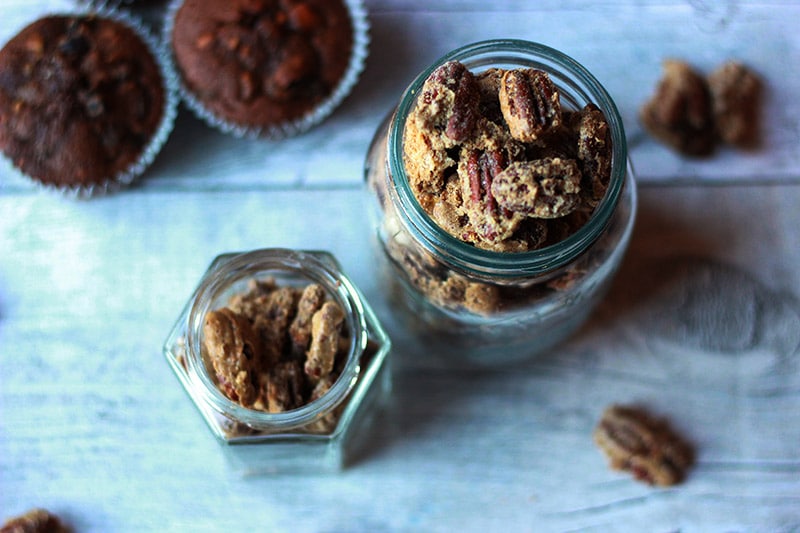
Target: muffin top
column 80, row 98
column 261, row 63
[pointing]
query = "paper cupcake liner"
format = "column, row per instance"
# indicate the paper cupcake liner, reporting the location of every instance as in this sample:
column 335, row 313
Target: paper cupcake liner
column 358, row 55
column 162, row 131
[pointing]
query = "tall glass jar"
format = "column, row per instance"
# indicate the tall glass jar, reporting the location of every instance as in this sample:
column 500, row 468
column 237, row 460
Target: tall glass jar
column 324, row 434
column 438, row 285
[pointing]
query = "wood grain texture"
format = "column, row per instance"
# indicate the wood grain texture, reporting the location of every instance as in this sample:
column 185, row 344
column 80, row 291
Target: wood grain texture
column 702, row 324
column 622, row 43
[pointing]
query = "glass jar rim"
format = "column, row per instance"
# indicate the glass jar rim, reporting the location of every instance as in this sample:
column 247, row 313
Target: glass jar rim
column 319, row 267
column 471, row 259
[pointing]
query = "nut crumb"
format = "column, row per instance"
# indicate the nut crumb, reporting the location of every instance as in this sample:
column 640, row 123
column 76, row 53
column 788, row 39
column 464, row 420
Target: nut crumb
column 646, row 446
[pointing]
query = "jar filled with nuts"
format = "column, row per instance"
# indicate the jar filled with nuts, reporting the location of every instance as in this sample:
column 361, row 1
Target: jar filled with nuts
column 283, row 358
column 503, row 201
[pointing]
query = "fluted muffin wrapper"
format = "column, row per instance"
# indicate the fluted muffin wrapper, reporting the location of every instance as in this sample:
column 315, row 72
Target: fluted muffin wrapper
column 160, row 135
column 358, row 55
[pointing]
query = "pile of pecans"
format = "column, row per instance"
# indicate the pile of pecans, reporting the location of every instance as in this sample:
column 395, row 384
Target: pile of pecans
column 497, row 162
column 276, row 348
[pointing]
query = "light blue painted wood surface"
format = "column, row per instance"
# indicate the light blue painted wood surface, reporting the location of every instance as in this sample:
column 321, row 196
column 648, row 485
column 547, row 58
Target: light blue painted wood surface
column 703, row 324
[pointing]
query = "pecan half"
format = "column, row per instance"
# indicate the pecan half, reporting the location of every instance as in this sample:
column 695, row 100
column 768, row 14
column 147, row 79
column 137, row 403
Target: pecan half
column 594, row 153
column 232, row 347
column 736, row 93
column 643, row 445
column 300, row 331
column 530, row 104
column 35, row 521
column 450, row 102
column 545, row 188
column 285, row 387
column 490, row 222
column 679, row 113
column 325, row 333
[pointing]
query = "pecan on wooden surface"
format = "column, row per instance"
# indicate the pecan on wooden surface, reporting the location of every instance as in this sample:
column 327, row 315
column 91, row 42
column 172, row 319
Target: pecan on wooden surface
column 737, row 93
column 680, row 113
column 35, row 521
column 647, row 447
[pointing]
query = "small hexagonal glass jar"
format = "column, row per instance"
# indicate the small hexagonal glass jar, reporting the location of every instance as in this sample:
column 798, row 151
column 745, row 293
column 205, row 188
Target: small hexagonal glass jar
column 321, row 435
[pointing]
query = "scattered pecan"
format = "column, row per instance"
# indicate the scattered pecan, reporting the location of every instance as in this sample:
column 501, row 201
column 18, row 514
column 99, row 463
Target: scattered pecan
column 35, row 521
column 530, row 104
column 647, row 447
column 545, row 188
column 736, row 93
column 680, row 112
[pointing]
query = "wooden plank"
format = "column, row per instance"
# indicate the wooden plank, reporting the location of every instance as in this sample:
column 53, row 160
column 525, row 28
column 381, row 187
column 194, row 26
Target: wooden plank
column 623, row 45
column 94, row 426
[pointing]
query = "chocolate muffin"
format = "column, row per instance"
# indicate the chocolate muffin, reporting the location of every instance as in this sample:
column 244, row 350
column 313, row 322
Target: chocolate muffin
column 81, row 99
column 264, row 66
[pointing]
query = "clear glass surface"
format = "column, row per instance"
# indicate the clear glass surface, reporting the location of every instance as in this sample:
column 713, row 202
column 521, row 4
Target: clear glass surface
column 546, row 293
column 257, row 442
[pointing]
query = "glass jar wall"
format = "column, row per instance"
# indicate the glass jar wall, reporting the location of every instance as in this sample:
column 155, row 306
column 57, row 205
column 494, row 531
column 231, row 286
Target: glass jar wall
column 321, row 435
column 458, row 300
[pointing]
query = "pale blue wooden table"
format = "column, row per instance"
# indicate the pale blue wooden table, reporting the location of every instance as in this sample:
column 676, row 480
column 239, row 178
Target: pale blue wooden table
column 703, row 324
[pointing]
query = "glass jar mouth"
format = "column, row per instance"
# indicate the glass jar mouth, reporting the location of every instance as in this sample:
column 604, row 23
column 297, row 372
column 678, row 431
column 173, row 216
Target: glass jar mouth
column 314, row 267
column 579, row 87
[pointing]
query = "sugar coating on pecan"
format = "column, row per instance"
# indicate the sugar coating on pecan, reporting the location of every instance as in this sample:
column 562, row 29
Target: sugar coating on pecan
column 646, row 446
column 530, row 104
column 545, row 188
column 272, row 345
column 465, row 130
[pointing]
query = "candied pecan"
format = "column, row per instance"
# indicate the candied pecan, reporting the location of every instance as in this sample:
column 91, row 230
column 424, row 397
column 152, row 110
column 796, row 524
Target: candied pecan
column 489, row 89
column 490, row 222
column 248, row 303
column 530, row 103
column 272, row 321
column 325, row 333
column 680, row 113
column 647, row 447
column 594, row 152
column 300, row 331
column 426, row 159
column 232, row 348
column 327, row 423
column 736, row 93
column 546, row 188
column 35, row 521
column 449, row 102
column 531, row 234
column 285, row 387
